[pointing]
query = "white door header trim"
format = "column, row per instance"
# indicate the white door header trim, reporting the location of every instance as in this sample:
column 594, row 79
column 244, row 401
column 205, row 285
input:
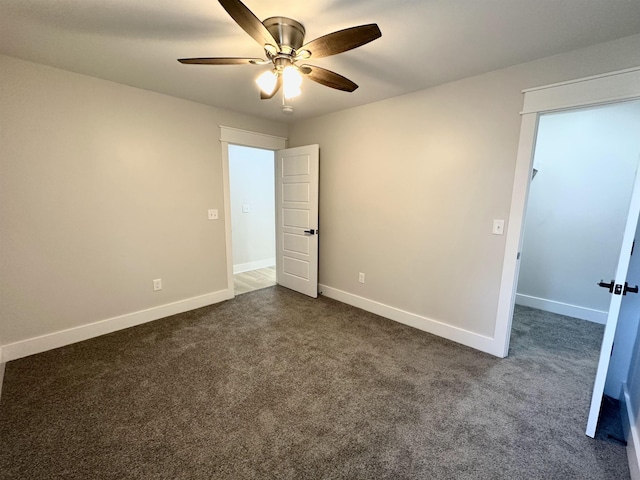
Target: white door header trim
column 251, row 139
column 584, row 79
column 608, row 88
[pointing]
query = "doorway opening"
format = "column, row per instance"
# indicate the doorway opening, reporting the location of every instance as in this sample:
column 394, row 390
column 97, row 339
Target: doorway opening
column 296, row 171
column 608, row 88
column 253, row 217
column 583, row 176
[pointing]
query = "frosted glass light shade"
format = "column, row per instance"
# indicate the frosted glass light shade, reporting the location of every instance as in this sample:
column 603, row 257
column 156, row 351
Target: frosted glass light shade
column 291, row 79
column 267, row 82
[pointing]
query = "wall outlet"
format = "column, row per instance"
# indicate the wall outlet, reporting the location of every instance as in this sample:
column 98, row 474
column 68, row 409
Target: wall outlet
column 157, row 284
column 212, row 214
column 498, row 227
column 245, row 209
column 361, row 277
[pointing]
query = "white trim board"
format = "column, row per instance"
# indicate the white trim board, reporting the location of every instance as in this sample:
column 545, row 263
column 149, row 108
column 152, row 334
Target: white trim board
column 515, row 227
column 458, row 335
column 247, row 267
column 598, row 89
column 631, row 434
column 575, row 311
column 2, row 365
column 251, row 139
column 226, row 189
column 31, row 346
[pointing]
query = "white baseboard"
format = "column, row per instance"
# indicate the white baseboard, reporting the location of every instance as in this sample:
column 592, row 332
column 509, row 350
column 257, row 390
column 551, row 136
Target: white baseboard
column 583, row 313
column 456, row 334
column 31, row 346
column 246, row 267
column 631, row 434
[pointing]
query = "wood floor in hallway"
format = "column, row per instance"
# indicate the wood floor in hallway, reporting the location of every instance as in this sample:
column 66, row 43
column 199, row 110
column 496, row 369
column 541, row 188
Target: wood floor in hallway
column 254, row 280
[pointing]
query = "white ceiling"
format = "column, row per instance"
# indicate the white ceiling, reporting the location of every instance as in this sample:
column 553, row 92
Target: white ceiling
column 424, row 43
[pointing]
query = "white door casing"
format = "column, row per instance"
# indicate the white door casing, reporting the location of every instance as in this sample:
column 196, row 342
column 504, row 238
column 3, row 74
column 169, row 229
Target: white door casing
column 297, row 176
column 235, row 136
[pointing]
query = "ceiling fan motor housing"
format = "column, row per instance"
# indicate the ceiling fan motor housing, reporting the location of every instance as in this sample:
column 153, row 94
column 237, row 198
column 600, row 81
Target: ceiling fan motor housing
column 287, row 32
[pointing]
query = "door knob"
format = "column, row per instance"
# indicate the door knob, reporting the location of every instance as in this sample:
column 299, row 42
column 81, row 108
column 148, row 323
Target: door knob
column 609, row 285
column 619, row 289
column 629, row 289
column 311, row 232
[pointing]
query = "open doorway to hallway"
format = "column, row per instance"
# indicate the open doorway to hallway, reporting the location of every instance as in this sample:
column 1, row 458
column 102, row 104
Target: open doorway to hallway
column 251, row 181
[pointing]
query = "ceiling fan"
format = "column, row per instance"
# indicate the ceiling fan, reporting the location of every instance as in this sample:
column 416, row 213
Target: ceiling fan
column 283, row 41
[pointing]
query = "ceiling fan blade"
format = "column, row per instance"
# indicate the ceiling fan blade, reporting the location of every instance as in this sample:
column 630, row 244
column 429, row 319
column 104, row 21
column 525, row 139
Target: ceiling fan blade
column 221, row 61
column 342, row 40
column 328, row 78
column 264, row 96
column 248, row 22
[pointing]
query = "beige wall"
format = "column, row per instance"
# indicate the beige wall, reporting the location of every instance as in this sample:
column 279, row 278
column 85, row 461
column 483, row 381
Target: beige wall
column 410, row 186
column 103, row 188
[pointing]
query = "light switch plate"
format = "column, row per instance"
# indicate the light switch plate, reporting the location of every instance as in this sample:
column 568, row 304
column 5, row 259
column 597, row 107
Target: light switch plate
column 213, row 214
column 245, row 208
column 498, row 227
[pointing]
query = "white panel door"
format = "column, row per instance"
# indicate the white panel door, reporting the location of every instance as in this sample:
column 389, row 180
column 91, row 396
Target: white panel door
column 614, row 308
column 297, row 175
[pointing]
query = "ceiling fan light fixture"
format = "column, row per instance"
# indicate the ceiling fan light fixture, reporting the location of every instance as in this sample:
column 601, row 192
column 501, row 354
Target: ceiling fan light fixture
column 267, row 81
column 283, row 40
column 271, row 50
column 291, row 80
column 303, row 55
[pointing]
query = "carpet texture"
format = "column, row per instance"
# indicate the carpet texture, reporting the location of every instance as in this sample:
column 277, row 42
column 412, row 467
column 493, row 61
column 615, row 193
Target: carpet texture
column 274, row 385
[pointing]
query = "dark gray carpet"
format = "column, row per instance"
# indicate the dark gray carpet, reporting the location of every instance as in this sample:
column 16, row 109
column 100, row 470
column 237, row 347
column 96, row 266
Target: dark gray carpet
column 276, row 385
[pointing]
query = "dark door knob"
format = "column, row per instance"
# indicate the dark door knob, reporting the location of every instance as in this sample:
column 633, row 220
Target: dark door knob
column 618, row 289
column 609, row 285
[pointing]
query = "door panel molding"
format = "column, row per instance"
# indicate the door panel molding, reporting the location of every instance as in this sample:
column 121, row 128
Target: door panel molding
column 297, row 178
